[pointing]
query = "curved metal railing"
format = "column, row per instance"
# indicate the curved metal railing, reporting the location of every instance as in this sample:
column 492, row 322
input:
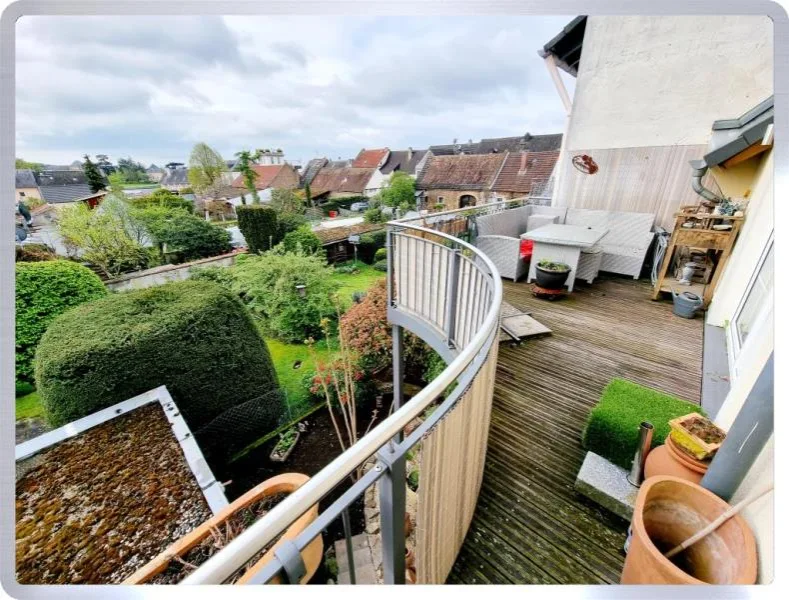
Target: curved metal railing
column 446, row 292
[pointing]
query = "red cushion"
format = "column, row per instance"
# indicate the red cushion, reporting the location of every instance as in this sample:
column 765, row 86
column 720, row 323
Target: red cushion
column 527, row 247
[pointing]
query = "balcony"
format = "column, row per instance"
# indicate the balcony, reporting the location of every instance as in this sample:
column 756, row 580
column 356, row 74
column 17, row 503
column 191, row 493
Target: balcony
column 498, row 430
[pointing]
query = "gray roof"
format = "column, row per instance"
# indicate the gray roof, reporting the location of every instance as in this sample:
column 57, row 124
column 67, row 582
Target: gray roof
column 403, row 160
column 732, row 136
column 154, row 169
column 25, row 179
column 567, row 45
column 175, row 177
column 522, row 143
column 58, row 194
column 55, row 178
column 311, row 170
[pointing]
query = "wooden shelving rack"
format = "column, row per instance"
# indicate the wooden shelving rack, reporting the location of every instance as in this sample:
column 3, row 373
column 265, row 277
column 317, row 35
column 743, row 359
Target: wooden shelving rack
column 701, row 236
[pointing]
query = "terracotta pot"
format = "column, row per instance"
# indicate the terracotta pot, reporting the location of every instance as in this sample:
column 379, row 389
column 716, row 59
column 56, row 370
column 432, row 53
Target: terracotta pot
column 410, row 559
column 409, row 524
column 668, row 511
column 666, row 460
column 410, row 576
column 285, row 483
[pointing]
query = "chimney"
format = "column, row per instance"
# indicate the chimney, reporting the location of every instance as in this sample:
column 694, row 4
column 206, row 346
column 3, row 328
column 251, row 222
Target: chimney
column 523, row 161
column 410, row 153
column 455, row 141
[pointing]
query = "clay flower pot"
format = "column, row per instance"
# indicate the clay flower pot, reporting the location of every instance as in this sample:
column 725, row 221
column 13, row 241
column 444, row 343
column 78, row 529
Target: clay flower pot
column 669, row 460
column 668, row 511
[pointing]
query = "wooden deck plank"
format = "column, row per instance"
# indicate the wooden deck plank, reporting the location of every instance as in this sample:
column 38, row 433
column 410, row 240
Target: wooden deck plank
column 530, row 526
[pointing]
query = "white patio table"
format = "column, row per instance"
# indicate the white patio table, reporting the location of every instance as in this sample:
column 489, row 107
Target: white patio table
column 561, row 243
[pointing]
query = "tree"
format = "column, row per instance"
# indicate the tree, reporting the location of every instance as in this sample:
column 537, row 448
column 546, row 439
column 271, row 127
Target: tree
column 100, row 237
column 400, row 191
column 187, row 236
column 133, row 172
column 307, row 195
column 21, row 163
column 93, row 175
column 244, row 165
column 205, row 168
column 103, row 163
column 286, row 201
column 117, row 181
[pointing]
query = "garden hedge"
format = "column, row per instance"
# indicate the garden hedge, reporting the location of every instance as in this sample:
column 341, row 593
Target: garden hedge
column 43, row 291
column 258, row 225
column 370, row 243
column 195, row 337
column 613, row 426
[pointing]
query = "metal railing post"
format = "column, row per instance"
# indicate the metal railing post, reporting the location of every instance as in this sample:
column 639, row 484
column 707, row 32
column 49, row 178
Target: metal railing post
column 389, row 267
column 397, row 372
column 452, row 293
column 346, row 525
column 391, row 490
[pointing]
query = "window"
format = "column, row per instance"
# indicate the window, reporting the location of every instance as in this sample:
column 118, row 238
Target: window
column 440, row 199
column 756, row 300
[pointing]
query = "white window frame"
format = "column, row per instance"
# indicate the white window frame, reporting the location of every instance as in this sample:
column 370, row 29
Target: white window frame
column 736, row 349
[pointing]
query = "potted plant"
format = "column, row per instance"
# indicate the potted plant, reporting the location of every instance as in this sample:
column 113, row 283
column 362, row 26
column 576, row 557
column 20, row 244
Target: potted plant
column 285, row 445
column 697, row 435
column 552, row 275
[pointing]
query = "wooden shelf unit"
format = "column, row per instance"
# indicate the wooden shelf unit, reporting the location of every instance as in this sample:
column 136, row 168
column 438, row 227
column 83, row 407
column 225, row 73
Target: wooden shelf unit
column 702, row 236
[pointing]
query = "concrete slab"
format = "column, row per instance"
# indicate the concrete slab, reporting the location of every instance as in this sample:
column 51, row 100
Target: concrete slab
column 606, row 483
column 715, row 370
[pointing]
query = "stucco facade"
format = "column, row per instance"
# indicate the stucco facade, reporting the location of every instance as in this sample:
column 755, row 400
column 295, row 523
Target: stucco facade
column 25, row 194
column 450, row 199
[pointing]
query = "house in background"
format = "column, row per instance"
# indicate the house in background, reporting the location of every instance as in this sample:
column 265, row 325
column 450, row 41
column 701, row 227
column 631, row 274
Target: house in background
column 26, row 186
column 270, row 177
column 340, row 181
column 154, row 173
column 525, row 174
column 404, row 161
column 64, row 188
column 175, row 177
column 335, row 239
column 523, row 143
column 458, row 181
column 372, row 159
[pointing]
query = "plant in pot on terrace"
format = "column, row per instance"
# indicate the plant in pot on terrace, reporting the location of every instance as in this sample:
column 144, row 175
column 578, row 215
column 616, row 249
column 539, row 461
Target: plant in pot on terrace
column 285, row 445
column 552, row 275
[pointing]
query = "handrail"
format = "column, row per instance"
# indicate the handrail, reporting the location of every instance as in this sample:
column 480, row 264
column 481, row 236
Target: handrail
column 264, row 531
column 477, row 208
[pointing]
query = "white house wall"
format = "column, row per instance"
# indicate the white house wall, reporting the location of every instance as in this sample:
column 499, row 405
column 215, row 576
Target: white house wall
column 376, row 183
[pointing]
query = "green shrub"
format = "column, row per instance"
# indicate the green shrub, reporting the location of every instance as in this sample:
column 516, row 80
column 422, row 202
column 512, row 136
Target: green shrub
column 612, row 428
column 369, row 243
column 413, row 480
column 258, row 225
column 302, row 240
column 43, row 291
column 221, row 275
column 287, row 222
column 192, row 336
column 163, row 198
column 267, row 284
column 182, row 235
column 380, row 254
column 374, row 215
column 381, row 265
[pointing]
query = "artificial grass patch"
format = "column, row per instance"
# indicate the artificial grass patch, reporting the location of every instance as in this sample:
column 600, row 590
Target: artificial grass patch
column 613, row 425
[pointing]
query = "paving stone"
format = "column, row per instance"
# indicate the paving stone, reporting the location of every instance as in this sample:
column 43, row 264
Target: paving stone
column 364, row 576
column 606, row 483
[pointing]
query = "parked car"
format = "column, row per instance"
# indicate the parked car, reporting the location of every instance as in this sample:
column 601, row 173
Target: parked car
column 360, row 206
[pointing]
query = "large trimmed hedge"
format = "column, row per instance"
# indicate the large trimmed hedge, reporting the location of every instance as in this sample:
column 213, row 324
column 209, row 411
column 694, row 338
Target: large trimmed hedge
column 613, row 426
column 258, row 224
column 43, row 291
column 195, row 337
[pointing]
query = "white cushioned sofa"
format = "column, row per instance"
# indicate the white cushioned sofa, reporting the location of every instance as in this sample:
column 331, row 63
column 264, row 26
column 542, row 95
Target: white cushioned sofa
column 624, row 247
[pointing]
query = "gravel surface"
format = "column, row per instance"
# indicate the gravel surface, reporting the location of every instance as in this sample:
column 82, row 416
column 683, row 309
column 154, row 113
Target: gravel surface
column 99, row 506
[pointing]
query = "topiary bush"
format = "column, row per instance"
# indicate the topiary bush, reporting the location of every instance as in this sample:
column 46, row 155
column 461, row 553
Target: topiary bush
column 267, row 284
column 258, row 225
column 612, row 428
column 43, row 291
column 192, row 336
column 369, row 244
column 380, row 255
column 381, row 265
column 302, row 240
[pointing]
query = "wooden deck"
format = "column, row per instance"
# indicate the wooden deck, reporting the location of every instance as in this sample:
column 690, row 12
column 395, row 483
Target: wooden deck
column 530, row 526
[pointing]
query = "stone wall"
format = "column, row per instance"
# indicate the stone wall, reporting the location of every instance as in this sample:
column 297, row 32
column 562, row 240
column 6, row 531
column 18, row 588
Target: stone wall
column 166, row 273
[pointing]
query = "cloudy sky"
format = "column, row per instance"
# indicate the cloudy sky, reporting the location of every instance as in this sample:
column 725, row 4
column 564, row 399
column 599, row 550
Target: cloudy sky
column 151, row 87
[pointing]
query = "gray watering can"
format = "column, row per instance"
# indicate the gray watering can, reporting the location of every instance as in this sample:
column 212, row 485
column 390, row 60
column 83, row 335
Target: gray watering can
column 686, row 304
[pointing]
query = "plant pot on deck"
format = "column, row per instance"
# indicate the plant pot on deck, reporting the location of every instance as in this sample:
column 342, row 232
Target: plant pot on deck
column 670, row 510
column 551, row 276
column 697, row 435
column 281, row 484
column 669, row 459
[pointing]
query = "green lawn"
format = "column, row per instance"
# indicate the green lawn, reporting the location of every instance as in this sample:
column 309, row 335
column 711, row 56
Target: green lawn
column 137, row 186
column 291, row 379
column 29, row 406
column 358, row 282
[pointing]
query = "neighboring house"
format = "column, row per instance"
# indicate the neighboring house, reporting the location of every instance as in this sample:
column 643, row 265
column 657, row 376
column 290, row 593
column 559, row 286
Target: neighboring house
column 523, row 143
column 372, row 159
column 654, row 125
column 669, row 137
column 271, row 157
column 335, row 239
column 311, row 170
column 155, row 173
column 458, row 181
column 406, row 161
column 524, row 174
column 26, row 186
column 67, row 187
column 340, row 182
column 75, row 166
column 175, row 177
column 270, row 177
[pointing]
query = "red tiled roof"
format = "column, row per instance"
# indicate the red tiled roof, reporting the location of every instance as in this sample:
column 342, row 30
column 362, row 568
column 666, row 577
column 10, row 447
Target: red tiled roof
column 370, row 158
column 266, row 174
column 461, row 172
column 342, row 179
column 523, row 170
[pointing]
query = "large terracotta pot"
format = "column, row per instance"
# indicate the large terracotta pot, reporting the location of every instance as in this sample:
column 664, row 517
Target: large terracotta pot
column 669, row 460
column 285, row 483
column 668, row 511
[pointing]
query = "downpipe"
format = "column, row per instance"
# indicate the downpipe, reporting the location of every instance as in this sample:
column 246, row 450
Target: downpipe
column 700, row 168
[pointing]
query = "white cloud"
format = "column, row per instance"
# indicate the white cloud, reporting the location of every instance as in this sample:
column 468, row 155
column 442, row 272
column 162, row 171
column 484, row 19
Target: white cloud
column 152, row 87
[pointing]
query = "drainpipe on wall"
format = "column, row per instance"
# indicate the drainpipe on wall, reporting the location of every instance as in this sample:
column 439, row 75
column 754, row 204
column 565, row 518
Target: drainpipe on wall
column 699, row 171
